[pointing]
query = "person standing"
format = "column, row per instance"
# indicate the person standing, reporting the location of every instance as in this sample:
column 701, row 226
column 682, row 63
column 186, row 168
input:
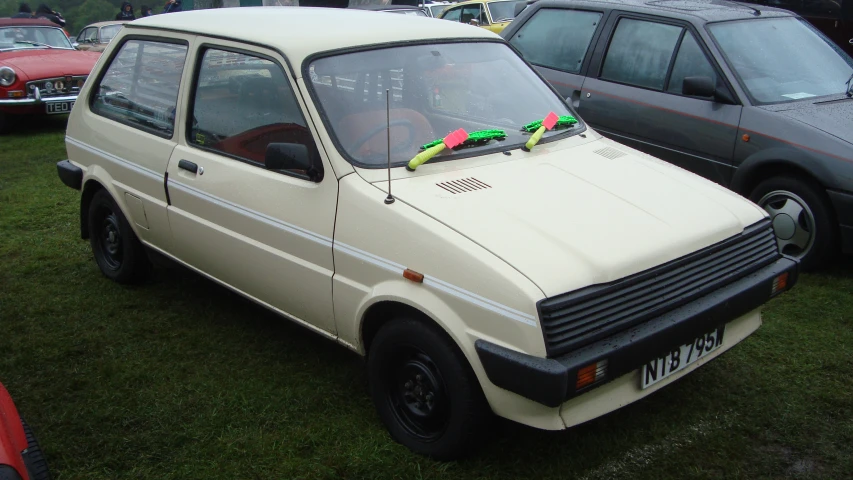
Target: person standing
column 172, row 6
column 47, row 13
column 146, row 11
column 24, row 11
column 126, row 12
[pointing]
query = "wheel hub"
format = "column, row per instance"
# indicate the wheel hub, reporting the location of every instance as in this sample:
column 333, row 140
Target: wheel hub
column 784, row 226
column 417, row 394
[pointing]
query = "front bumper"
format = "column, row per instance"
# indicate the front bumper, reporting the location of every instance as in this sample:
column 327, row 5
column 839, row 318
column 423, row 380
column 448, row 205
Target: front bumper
column 551, row 381
column 25, row 102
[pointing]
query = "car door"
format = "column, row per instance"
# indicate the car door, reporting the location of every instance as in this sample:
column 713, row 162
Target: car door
column 266, row 233
column 128, row 129
column 633, row 93
column 453, row 14
column 557, row 41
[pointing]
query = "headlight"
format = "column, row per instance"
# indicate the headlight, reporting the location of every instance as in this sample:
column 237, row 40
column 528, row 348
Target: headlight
column 7, row 76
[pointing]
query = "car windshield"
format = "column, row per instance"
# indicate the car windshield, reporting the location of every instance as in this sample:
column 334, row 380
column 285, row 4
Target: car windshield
column 14, row 38
column 782, row 59
column 502, row 11
column 109, row 32
column 434, row 90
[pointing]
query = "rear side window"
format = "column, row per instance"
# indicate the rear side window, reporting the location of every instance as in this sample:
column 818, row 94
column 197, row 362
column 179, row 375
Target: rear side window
column 241, row 104
column 140, row 87
column 557, row 38
column 640, row 53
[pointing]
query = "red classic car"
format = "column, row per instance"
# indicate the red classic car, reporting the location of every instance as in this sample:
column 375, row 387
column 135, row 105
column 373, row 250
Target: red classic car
column 40, row 72
column 20, row 455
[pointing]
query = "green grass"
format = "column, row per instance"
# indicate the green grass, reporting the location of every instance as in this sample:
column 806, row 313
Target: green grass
column 180, row 379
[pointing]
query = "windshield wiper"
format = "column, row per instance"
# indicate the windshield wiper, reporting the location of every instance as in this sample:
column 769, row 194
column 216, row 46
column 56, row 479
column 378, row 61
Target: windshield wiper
column 849, row 84
column 457, row 139
column 552, row 121
column 35, row 44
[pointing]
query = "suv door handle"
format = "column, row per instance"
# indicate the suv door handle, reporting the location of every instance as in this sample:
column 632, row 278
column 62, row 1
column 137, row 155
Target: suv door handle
column 188, row 166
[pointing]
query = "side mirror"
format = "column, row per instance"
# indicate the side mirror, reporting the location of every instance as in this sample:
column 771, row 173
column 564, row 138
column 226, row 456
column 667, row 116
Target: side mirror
column 698, row 86
column 291, row 156
column 75, row 45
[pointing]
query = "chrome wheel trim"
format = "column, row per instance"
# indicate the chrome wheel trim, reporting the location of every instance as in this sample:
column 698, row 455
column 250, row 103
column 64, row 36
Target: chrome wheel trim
column 793, row 222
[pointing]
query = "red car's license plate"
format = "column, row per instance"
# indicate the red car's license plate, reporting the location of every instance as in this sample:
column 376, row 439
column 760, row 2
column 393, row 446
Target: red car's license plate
column 59, row 107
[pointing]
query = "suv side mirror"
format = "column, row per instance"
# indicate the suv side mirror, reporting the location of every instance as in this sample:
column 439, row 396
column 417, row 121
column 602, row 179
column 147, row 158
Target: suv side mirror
column 291, row 156
column 698, row 86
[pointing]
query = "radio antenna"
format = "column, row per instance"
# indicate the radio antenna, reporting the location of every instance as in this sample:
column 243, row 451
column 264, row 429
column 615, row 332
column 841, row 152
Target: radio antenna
column 389, row 199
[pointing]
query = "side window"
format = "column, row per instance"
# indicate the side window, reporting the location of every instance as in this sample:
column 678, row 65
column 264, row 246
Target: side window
column 140, row 87
column 472, row 12
column 557, row 38
column 690, row 62
column 453, row 15
column 640, row 52
column 241, row 104
column 88, row 35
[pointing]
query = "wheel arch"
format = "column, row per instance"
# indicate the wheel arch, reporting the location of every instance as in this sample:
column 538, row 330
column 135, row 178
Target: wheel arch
column 779, row 161
column 90, row 188
column 381, row 312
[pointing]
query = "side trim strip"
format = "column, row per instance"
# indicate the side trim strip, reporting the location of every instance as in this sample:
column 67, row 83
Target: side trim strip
column 384, row 263
column 113, row 158
column 440, row 285
column 323, row 240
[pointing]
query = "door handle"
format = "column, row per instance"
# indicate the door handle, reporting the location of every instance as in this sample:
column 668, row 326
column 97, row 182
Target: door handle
column 188, row 166
column 576, row 99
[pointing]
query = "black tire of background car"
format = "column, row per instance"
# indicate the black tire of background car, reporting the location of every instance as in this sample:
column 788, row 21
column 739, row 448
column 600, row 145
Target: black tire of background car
column 117, row 251
column 34, row 458
column 825, row 242
column 404, row 346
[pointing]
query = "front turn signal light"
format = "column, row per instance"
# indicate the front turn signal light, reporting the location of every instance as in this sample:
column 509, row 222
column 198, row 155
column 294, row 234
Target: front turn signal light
column 16, row 94
column 780, row 283
column 590, row 374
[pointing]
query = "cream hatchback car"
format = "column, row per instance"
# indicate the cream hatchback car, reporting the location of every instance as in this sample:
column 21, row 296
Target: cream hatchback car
column 549, row 283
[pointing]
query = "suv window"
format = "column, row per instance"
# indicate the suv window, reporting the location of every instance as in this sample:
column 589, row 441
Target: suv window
column 140, row 87
column 241, row 104
column 640, row 53
column 690, row 62
column 557, row 38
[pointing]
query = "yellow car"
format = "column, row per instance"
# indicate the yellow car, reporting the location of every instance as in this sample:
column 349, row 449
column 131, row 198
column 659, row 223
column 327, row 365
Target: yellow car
column 494, row 16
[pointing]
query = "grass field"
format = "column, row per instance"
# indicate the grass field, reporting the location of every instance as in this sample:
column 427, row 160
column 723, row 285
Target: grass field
column 180, row 379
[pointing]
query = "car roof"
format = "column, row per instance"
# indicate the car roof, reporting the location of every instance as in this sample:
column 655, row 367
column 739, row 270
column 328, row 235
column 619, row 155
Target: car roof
column 298, row 32
column 104, row 24
column 702, row 11
column 26, row 22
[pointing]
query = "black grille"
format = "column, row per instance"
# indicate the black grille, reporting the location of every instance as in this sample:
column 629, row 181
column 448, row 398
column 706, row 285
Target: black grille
column 578, row 318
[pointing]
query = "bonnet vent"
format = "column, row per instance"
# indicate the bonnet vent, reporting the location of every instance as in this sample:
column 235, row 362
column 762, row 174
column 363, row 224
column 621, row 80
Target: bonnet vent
column 463, row 185
column 609, row 152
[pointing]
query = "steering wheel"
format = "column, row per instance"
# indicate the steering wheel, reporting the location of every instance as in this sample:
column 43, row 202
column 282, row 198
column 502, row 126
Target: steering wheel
column 399, row 147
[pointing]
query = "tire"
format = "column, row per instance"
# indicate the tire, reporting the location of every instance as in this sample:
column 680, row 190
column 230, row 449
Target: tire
column 425, row 391
column 118, row 252
column 802, row 217
column 34, row 458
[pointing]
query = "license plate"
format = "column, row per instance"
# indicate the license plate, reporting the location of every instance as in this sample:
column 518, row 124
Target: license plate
column 60, row 107
column 680, row 357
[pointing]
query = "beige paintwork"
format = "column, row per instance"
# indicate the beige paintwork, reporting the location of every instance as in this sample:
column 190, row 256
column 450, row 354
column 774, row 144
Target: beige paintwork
column 556, row 219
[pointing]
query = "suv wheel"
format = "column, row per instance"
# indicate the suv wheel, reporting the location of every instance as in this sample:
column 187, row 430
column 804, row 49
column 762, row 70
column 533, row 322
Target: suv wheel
column 117, row 251
column 802, row 218
column 425, row 391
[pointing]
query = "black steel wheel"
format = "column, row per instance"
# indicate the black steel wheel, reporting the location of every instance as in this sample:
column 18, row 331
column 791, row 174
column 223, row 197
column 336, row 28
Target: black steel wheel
column 802, row 218
column 117, row 251
column 425, row 391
